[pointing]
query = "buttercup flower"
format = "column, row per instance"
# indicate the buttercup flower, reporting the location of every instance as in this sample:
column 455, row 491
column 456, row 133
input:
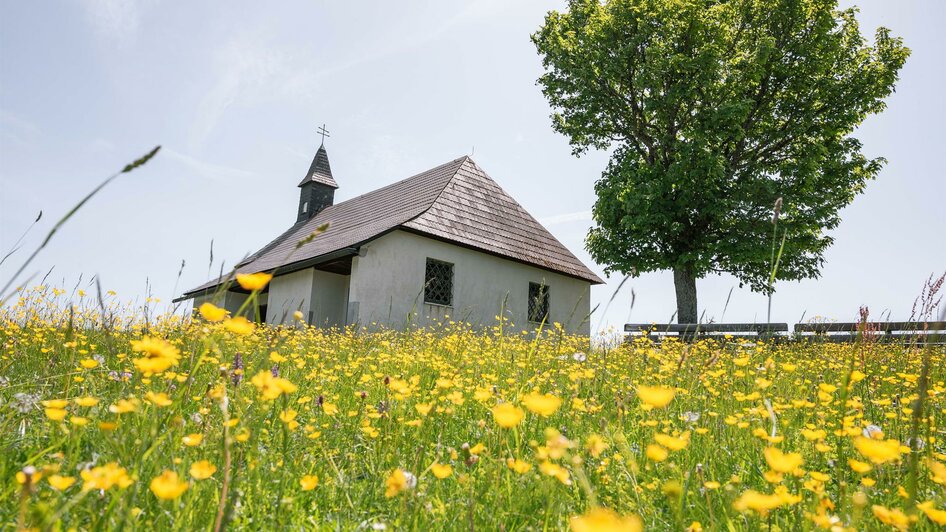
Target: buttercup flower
column 604, row 520
column 211, row 312
column 542, row 404
column 309, row 482
column 167, row 486
column 507, row 415
column 160, row 355
column 253, row 281
column 202, row 469
column 655, row 396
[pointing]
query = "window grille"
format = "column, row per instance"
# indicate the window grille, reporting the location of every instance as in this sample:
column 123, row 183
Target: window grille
column 438, row 283
column 538, row 302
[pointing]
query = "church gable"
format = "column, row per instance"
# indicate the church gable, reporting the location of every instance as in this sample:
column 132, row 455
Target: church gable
column 473, row 210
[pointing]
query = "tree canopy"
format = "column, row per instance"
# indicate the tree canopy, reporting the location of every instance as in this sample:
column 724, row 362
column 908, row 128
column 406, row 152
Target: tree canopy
column 712, row 110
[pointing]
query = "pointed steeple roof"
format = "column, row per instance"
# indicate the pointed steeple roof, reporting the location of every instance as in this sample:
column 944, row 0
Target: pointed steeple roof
column 320, row 171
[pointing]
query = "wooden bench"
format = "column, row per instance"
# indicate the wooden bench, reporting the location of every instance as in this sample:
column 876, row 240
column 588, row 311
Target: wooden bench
column 706, row 330
column 882, row 331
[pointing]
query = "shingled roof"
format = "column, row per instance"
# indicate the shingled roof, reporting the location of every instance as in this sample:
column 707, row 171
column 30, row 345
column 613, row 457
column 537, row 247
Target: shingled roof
column 456, row 202
column 320, row 171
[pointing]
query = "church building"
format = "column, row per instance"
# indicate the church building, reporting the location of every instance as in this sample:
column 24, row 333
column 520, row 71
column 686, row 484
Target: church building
column 445, row 244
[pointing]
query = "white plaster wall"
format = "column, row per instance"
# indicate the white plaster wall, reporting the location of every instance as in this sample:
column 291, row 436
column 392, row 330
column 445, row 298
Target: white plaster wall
column 288, row 293
column 387, row 286
column 329, row 299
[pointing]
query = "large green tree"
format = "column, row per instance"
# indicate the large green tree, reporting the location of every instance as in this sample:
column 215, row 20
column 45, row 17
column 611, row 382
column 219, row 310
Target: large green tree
column 712, row 110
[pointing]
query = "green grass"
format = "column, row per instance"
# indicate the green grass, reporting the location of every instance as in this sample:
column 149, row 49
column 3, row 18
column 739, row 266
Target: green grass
column 728, row 400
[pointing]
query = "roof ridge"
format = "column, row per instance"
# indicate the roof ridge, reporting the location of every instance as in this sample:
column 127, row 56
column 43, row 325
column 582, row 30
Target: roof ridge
column 397, row 182
column 465, row 158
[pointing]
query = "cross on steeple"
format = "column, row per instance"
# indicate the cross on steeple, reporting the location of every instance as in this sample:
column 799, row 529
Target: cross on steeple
column 324, row 133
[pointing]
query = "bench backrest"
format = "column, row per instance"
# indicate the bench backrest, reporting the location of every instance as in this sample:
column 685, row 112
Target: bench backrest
column 706, row 328
column 888, row 327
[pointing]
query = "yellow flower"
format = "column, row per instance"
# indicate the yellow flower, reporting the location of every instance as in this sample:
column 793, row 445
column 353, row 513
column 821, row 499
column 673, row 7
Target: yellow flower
column 309, row 482
column 656, row 453
column 595, row 445
column 168, row 486
column 507, row 415
column 253, row 281
column 329, row 409
column 202, row 469
column 86, row 401
column 937, row 472
column 604, row 520
column 288, row 415
column 192, row 440
column 158, row 399
column 759, row 502
column 105, row 477
column 655, row 396
column 123, row 406
column 423, row 409
column 441, row 471
column 814, row 434
column 55, row 414
column 395, row 483
column 892, row 517
column 477, row 449
column 58, row 404
column 782, row 462
column 239, row 325
column 859, row 467
column 878, row 451
column 159, row 355
column 542, row 404
column 711, row 485
column 936, row 516
column 89, row 363
column 672, row 443
column 298, row 315
column 79, row 421
column 61, row 483
column 518, row 465
column 211, row 312
column 557, row 471
column 272, row 387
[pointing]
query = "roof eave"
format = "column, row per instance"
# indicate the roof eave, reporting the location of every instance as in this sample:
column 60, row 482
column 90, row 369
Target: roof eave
column 282, row 270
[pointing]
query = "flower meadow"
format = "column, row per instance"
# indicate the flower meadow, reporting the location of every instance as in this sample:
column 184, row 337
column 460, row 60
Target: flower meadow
column 114, row 417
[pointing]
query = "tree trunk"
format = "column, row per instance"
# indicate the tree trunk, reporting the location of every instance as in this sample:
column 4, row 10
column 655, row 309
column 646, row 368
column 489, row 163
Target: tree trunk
column 685, row 284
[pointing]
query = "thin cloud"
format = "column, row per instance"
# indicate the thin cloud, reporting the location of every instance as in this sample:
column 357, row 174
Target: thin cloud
column 250, row 70
column 214, row 172
column 558, row 219
column 117, row 21
column 16, row 130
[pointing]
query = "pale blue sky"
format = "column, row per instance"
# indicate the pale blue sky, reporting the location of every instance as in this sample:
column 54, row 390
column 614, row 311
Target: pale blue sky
column 235, row 95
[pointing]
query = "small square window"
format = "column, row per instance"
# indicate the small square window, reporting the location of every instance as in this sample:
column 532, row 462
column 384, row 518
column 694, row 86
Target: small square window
column 438, row 283
column 538, row 302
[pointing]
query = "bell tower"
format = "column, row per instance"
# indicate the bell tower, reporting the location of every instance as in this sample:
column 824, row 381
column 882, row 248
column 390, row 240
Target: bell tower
column 317, row 190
